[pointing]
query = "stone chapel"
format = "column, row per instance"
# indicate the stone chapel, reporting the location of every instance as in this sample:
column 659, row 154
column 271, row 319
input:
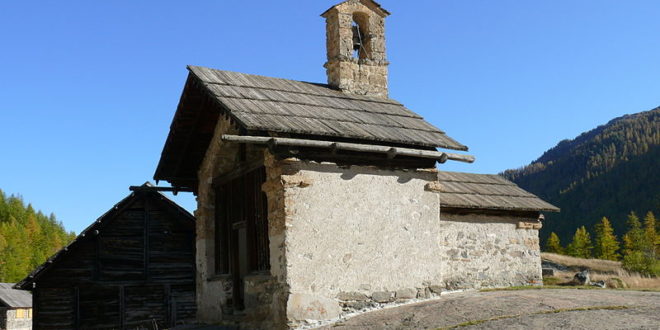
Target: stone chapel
column 318, row 200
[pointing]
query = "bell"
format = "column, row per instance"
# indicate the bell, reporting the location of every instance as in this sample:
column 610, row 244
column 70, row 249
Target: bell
column 357, row 37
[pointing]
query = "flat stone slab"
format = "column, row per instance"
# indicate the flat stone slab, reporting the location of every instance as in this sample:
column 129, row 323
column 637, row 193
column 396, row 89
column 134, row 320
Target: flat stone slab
column 520, row 309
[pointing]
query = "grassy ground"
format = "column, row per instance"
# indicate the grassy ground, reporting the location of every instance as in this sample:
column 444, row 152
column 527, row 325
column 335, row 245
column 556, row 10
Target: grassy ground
column 610, row 272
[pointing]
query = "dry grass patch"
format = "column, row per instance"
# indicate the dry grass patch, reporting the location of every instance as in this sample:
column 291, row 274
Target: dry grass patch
column 611, row 272
column 595, row 265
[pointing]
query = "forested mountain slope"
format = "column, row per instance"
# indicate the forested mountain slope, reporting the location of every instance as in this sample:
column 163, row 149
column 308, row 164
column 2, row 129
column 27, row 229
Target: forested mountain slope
column 27, row 238
column 608, row 171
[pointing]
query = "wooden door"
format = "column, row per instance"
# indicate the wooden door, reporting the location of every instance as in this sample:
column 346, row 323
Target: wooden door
column 241, row 230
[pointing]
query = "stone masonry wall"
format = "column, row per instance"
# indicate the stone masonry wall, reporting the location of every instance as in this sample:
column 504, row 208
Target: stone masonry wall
column 263, row 293
column 212, row 291
column 9, row 321
column 483, row 251
column 359, row 236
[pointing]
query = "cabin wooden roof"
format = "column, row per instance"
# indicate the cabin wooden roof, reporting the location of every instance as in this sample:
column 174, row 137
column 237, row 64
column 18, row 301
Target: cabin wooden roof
column 264, row 105
column 486, row 192
column 93, row 229
column 13, row 298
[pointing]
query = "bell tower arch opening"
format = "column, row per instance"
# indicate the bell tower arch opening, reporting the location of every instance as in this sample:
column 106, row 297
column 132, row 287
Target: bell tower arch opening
column 361, row 36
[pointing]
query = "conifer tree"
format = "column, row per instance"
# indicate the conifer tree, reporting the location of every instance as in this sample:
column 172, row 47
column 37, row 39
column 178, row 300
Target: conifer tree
column 606, row 246
column 634, row 239
column 553, row 244
column 652, row 254
column 581, row 246
column 651, row 235
column 639, row 252
column 27, row 238
column 3, row 246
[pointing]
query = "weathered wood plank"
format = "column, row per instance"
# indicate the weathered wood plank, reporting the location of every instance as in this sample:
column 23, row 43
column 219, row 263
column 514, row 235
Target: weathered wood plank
column 100, row 282
column 437, row 155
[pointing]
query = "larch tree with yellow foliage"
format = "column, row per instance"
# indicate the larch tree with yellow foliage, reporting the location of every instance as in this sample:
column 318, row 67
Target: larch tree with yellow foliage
column 606, row 243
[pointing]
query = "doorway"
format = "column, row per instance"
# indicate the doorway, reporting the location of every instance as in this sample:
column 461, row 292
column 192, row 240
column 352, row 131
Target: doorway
column 241, row 230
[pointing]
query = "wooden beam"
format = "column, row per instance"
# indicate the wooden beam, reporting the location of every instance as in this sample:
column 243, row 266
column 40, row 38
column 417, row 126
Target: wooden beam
column 359, row 159
column 238, row 171
column 392, row 152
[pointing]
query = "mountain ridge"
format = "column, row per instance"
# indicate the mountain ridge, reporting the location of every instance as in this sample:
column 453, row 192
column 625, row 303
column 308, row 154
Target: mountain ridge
column 607, row 171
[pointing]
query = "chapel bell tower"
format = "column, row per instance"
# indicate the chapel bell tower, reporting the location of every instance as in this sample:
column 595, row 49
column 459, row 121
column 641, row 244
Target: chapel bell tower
column 355, row 32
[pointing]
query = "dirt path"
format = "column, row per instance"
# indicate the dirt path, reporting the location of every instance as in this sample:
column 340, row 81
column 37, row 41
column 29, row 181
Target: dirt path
column 523, row 309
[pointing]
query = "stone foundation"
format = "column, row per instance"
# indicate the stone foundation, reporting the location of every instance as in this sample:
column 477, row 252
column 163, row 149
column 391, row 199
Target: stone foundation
column 9, row 320
column 352, row 302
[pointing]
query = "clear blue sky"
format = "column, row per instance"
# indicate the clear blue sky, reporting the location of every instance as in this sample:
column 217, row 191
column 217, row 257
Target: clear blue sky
column 88, row 88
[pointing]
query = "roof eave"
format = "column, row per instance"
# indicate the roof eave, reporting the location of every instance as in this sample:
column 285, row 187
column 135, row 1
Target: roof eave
column 495, row 208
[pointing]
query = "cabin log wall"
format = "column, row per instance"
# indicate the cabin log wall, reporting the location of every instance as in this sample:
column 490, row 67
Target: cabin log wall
column 139, row 267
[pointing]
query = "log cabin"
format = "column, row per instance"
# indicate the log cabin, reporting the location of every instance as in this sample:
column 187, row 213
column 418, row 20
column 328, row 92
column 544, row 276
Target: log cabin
column 131, row 268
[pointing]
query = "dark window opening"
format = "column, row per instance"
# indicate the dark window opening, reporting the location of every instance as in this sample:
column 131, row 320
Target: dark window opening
column 241, row 235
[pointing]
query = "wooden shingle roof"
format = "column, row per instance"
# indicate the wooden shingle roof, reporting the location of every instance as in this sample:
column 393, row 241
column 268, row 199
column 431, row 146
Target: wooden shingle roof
column 486, row 192
column 261, row 103
column 265, row 106
column 13, row 298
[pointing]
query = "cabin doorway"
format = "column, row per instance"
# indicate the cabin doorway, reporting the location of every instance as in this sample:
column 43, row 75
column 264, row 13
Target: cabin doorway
column 241, row 230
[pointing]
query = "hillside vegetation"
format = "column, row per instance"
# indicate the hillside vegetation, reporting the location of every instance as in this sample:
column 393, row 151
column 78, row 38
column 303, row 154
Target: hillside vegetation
column 606, row 172
column 27, row 238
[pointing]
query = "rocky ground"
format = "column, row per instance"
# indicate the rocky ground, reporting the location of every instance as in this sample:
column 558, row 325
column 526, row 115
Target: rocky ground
column 520, row 309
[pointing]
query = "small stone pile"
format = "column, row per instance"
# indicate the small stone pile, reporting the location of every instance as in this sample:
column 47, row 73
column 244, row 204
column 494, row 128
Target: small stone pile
column 582, row 278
